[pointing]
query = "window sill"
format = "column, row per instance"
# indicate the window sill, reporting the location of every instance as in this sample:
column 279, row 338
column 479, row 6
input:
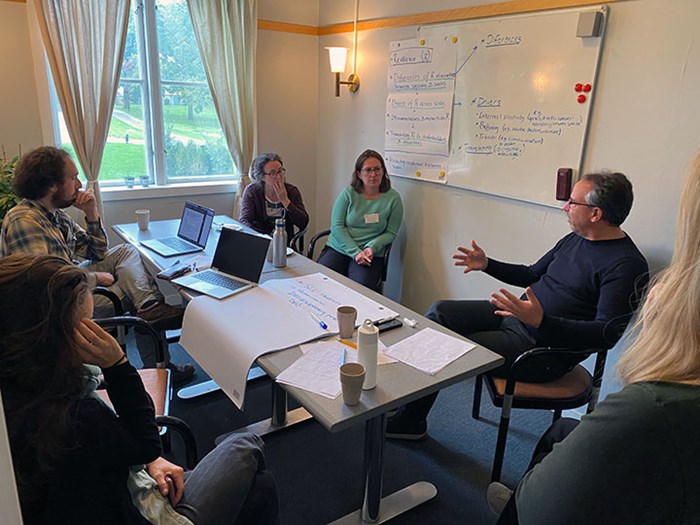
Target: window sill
column 122, row 193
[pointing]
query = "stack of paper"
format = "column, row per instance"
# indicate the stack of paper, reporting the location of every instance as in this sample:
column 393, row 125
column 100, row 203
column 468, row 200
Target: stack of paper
column 318, row 370
column 429, row 350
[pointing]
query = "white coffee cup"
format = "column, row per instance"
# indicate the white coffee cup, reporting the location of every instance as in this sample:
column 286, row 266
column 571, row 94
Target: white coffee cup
column 143, row 217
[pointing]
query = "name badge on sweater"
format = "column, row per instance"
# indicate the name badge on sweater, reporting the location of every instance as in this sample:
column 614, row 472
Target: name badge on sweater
column 372, row 218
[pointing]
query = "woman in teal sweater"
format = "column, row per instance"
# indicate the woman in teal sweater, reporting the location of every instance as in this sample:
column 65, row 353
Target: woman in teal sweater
column 366, row 217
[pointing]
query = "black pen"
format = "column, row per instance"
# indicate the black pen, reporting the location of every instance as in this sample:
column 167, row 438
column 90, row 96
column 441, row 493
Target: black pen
column 175, row 263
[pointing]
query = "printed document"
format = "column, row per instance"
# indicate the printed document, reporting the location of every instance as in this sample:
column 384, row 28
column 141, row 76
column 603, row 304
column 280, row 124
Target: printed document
column 429, row 350
column 317, row 370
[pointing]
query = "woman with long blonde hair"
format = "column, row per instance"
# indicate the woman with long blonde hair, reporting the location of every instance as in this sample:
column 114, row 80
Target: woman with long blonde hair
column 636, row 458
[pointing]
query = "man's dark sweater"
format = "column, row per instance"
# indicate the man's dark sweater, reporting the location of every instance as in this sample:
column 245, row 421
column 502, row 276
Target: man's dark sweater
column 588, row 289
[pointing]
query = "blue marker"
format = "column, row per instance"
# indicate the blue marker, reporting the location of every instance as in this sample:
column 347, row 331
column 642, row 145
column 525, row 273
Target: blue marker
column 344, row 358
column 320, row 323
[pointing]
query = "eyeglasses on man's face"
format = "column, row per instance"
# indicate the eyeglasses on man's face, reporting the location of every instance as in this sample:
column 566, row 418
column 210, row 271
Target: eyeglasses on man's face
column 375, row 169
column 272, row 173
column 571, row 201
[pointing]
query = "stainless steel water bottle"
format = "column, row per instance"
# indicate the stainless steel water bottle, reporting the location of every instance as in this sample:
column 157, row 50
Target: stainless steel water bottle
column 279, row 245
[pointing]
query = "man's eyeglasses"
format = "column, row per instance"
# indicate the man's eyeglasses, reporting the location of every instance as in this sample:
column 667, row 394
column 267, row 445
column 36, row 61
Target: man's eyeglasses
column 367, row 171
column 570, row 202
column 272, row 173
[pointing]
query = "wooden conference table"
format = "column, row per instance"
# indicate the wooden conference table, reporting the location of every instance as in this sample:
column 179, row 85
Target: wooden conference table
column 397, row 384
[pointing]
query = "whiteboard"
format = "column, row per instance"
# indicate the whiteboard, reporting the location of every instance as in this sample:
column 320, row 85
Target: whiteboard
column 517, row 116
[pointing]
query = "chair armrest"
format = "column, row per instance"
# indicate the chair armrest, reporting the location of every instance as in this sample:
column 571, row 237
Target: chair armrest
column 185, row 432
column 545, row 353
column 112, row 297
column 143, row 327
column 296, row 243
column 312, row 242
column 385, row 266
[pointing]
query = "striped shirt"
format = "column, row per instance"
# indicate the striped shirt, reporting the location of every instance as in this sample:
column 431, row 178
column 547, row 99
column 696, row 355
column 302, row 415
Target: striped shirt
column 31, row 229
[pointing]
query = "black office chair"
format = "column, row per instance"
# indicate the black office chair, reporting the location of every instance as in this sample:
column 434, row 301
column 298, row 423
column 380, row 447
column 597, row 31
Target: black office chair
column 574, row 389
column 296, row 243
column 119, row 332
column 157, row 384
column 385, row 263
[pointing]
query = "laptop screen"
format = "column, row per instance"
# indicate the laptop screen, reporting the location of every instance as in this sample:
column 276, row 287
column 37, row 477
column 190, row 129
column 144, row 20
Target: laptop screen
column 196, row 223
column 240, row 254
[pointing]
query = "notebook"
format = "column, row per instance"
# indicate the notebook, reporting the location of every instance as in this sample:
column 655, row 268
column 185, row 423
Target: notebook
column 237, row 265
column 192, row 235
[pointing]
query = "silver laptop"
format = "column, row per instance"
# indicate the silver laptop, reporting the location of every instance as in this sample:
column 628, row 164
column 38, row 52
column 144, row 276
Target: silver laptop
column 237, row 265
column 195, row 225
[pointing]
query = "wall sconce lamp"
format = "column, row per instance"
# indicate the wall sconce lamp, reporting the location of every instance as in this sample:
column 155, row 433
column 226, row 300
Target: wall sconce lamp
column 338, row 56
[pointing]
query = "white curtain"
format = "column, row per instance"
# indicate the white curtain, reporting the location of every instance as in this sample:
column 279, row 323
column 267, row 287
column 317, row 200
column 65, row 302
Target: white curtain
column 84, row 42
column 226, row 32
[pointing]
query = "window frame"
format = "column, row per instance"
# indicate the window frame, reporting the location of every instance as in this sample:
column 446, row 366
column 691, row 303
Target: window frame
column 151, row 87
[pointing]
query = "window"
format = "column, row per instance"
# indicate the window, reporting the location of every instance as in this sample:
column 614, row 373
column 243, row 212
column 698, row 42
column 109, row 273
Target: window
column 164, row 128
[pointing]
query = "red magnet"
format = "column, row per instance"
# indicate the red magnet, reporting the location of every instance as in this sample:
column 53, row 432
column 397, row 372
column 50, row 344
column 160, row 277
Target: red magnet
column 581, row 98
column 586, row 88
column 578, row 87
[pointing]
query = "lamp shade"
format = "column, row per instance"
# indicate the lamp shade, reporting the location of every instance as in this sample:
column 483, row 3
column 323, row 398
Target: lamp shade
column 337, row 55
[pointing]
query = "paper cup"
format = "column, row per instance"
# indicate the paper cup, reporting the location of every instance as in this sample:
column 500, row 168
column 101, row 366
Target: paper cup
column 352, row 376
column 143, row 217
column 347, row 316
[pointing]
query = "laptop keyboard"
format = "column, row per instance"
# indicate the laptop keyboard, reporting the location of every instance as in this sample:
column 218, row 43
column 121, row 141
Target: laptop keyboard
column 220, row 280
column 176, row 244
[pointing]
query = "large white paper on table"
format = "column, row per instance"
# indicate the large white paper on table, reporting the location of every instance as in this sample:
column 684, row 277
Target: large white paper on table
column 226, row 337
column 429, row 350
column 322, row 295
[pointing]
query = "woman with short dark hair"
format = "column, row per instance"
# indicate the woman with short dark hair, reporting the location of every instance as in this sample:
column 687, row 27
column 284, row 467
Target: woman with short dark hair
column 271, row 197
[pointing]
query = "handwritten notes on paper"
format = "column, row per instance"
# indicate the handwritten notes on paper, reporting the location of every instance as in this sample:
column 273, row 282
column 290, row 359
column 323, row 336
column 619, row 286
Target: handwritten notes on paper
column 317, row 370
column 429, row 350
column 321, row 295
column 419, row 108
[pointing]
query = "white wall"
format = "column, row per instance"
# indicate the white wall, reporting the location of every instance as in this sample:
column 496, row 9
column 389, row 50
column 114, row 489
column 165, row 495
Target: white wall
column 287, row 95
column 644, row 123
column 20, row 125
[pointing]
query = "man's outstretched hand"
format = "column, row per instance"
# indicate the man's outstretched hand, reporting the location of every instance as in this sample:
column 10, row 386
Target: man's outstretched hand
column 529, row 310
column 474, row 259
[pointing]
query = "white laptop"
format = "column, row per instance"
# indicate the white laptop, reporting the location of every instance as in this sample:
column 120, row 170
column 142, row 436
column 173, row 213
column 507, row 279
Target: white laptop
column 192, row 235
column 237, row 265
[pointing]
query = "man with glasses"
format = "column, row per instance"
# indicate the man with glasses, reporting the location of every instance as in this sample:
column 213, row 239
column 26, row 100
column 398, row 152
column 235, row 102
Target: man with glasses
column 580, row 294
